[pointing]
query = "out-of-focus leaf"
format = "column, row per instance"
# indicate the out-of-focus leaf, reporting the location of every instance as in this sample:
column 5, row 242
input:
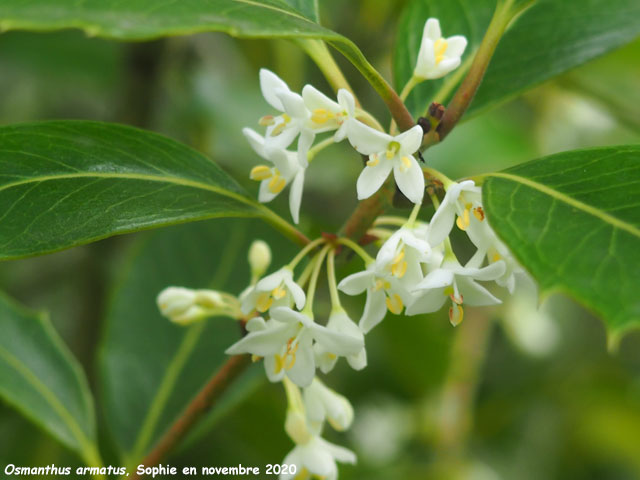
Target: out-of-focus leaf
column 573, row 221
column 42, row 379
column 151, row 368
column 548, row 39
column 66, row 183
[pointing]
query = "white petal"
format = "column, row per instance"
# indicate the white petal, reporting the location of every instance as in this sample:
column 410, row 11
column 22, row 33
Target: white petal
column 367, row 140
column 337, row 343
column 432, row 29
column 428, row 302
column 474, row 294
column 410, row 181
column 456, row 46
column 347, row 102
column 273, row 280
column 295, row 196
column 304, row 368
column 341, row 454
column 289, row 316
column 490, row 272
column 441, row 223
column 263, row 342
column 375, row 309
column 296, row 292
column 439, row 278
column 372, row 178
column 284, row 138
column 313, row 98
column 356, row 283
column 293, row 104
column 426, row 59
column 255, row 140
column 410, row 140
column 269, row 84
column 304, row 143
column 359, row 360
column 270, row 369
column 255, row 324
column 445, row 66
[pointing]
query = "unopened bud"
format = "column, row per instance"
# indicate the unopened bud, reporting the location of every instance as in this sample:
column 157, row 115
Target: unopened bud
column 259, row 258
column 296, row 427
column 178, row 304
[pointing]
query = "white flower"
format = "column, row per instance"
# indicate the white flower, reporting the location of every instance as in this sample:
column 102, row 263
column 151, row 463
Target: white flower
column 286, row 343
column 322, row 403
column 458, row 283
column 463, row 200
column 185, row 306
column 327, row 115
column 317, row 458
column 495, row 251
column 274, row 179
column 339, row 321
column 402, row 254
column 438, row 56
column 384, row 292
column 275, row 290
column 388, row 153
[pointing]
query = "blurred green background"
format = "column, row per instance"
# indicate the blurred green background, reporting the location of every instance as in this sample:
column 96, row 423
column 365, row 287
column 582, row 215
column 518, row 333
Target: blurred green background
column 546, row 399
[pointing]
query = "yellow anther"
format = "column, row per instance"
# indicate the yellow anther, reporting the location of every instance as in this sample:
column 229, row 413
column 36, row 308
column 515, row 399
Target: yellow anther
column 398, row 257
column 394, row 304
column 286, row 118
column 264, row 302
column 379, row 285
column 373, row 161
column 261, row 172
column 255, row 358
column 496, row 257
column 279, row 364
column 478, row 212
column 399, row 269
column 321, row 115
column 439, row 49
column 303, row 474
column 457, row 299
column 267, row 120
column 276, row 184
column 331, row 356
column 278, row 293
column 406, row 164
column 464, row 220
column 277, row 130
column 456, row 314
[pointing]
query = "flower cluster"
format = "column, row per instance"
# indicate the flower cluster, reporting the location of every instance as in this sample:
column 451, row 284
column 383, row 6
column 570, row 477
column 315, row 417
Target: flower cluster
column 415, row 270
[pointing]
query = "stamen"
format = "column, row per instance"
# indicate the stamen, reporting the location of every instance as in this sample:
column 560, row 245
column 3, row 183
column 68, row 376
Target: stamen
column 478, row 212
column 456, row 314
column 439, row 49
column 373, row 160
column 392, row 149
column 321, row 115
column 496, row 257
column 463, row 221
column 267, row 121
column 261, row 172
column 264, row 302
column 278, row 129
column 277, row 184
column 398, row 270
column 394, row 304
column 379, row 285
column 255, row 358
column 456, row 299
column 279, row 363
column 278, row 293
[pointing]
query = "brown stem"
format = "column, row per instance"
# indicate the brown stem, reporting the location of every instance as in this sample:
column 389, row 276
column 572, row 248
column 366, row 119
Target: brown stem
column 367, row 211
column 199, row 406
column 467, row 90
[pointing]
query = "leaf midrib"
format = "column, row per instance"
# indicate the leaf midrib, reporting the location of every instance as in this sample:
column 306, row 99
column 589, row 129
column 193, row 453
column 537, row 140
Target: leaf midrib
column 134, row 176
column 616, row 222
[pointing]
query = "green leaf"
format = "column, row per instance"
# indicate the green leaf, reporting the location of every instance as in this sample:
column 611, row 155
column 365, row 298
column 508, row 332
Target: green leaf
column 145, row 19
column 151, row 368
column 42, row 379
column 573, row 221
column 66, row 183
column 309, row 8
column 548, row 39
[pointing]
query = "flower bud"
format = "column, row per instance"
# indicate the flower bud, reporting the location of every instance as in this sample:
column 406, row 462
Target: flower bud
column 296, row 426
column 259, row 258
column 179, row 305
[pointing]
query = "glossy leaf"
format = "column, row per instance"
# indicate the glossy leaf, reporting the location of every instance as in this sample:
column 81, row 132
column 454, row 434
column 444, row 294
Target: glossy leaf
column 151, row 368
column 66, row 183
column 309, row 8
column 573, row 220
column 549, row 38
column 42, row 379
